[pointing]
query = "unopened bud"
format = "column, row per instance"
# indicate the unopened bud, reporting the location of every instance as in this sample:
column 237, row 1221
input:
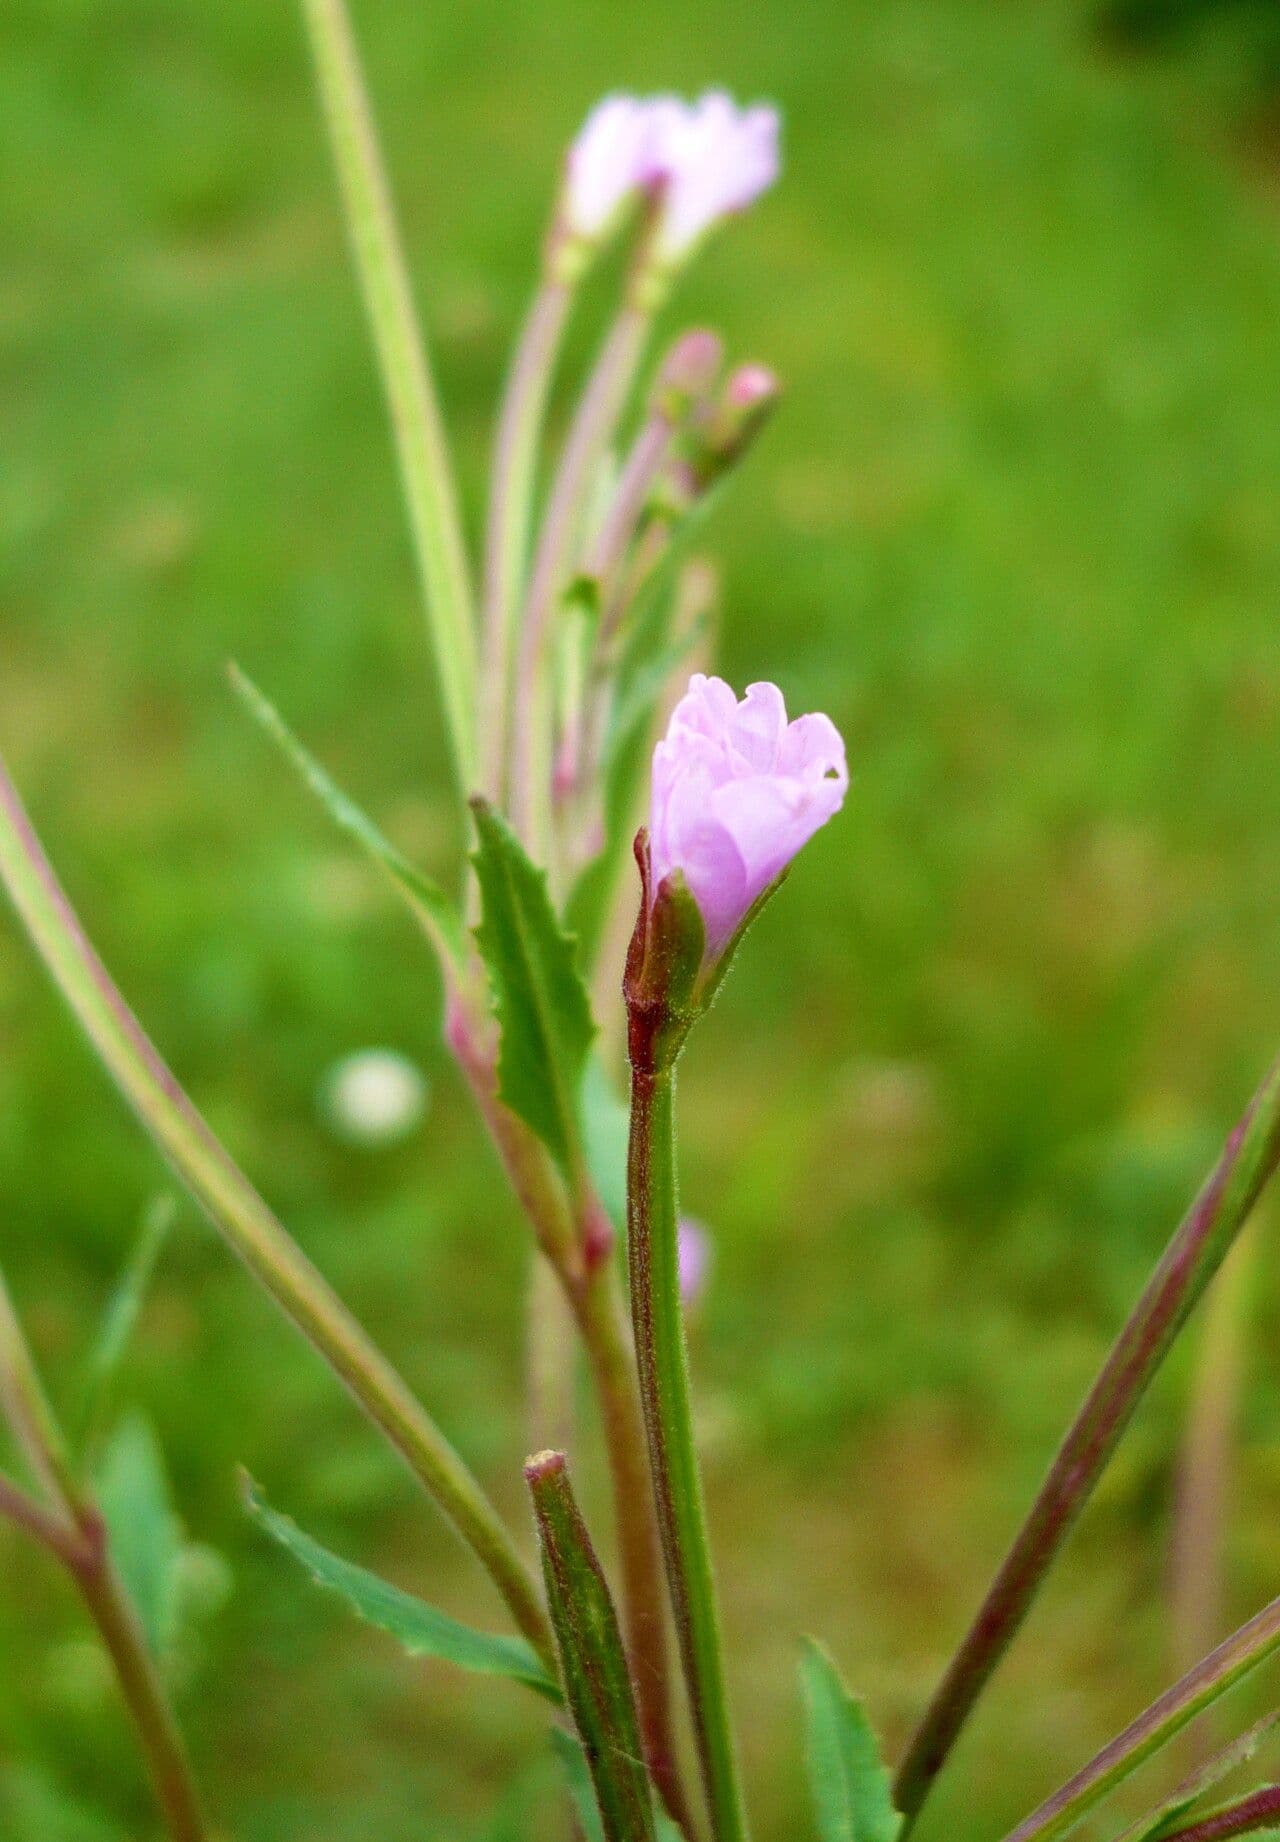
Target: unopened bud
column 749, row 398
column 687, row 374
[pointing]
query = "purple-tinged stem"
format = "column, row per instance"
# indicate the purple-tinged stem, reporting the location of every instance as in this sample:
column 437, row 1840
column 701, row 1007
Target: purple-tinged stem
column 1192, row 1258
column 1260, row 1811
column 1219, row 1672
column 510, row 502
column 75, row 1534
column 588, row 437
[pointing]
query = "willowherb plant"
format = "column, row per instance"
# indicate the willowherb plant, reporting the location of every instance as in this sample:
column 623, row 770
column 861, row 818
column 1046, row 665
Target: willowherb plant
column 574, row 715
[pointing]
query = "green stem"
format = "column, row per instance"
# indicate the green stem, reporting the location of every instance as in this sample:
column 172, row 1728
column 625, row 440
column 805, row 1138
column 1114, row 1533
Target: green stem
column 421, row 445
column 658, row 1320
column 244, row 1220
column 1219, row 1672
column 510, row 508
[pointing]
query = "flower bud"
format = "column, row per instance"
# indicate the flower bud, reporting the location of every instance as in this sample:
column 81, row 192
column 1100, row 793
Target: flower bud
column 746, row 404
column 736, row 791
column 687, row 374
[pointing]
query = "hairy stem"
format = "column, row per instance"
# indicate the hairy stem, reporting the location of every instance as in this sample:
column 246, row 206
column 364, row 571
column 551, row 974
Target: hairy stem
column 658, row 1321
column 244, row 1220
column 1192, row 1258
column 421, row 445
column 1219, row 1672
column 579, row 1255
column 510, row 507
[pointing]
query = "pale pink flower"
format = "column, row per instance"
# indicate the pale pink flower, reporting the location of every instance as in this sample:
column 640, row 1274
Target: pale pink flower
column 736, row 791
column 709, row 158
column 610, row 161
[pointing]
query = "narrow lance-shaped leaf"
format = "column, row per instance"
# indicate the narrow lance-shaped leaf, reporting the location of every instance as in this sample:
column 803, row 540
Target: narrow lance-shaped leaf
column 850, row 1784
column 1173, row 1810
column 132, row 1490
column 427, row 903
column 544, row 1014
column 421, row 443
column 123, row 1308
column 419, row 1628
column 243, row 1218
column 592, row 1657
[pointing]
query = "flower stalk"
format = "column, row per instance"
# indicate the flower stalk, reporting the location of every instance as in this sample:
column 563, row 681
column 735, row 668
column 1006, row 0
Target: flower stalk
column 1245, row 1817
column 662, row 969
column 1193, row 1256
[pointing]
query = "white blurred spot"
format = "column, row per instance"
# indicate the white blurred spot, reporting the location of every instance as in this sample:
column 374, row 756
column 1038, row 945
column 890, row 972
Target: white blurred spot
column 375, row 1097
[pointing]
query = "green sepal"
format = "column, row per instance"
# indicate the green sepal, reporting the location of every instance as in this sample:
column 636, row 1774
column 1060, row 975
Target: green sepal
column 429, row 905
column 851, row 1787
column 716, row 973
column 544, row 1014
column 418, row 1628
column 593, row 1659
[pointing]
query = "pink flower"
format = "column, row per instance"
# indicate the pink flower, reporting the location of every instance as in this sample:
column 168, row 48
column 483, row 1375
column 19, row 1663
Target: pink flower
column 609, row 162
column 710, row 158
column 736, row 791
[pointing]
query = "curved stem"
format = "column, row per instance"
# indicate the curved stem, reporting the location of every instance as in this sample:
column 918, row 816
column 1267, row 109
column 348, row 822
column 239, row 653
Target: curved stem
column 510, row 504
column 658, row 1320
column 76, row 1535
column 244, row 1220
column 117, row 1623
column 421, row 444
column 1242, row 1652
column 1190, row 1261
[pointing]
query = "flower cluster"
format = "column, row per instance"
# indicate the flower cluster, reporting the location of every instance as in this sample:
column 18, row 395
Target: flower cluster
column 699, row 161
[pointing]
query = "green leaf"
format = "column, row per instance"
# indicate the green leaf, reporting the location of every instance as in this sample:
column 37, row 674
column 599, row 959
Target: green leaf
column 418, row 1628
column 426, row 901
column 124, row 1306
column 144, row 1533
column 606, row 1127
column 542, row 1007
column 1175, row 1808
column 851, row 1788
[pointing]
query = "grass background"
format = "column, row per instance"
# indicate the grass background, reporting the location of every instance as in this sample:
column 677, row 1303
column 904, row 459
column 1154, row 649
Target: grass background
column 1018, row 529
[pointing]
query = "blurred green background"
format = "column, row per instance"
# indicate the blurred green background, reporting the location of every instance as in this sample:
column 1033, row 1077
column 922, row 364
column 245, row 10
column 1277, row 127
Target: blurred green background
column 1018, row 529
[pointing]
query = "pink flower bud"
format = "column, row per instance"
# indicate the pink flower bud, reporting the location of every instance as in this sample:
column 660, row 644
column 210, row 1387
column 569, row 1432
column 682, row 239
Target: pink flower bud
column 609, row 162
column 736, row 791
column 710, row 158
column 693, row 1256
